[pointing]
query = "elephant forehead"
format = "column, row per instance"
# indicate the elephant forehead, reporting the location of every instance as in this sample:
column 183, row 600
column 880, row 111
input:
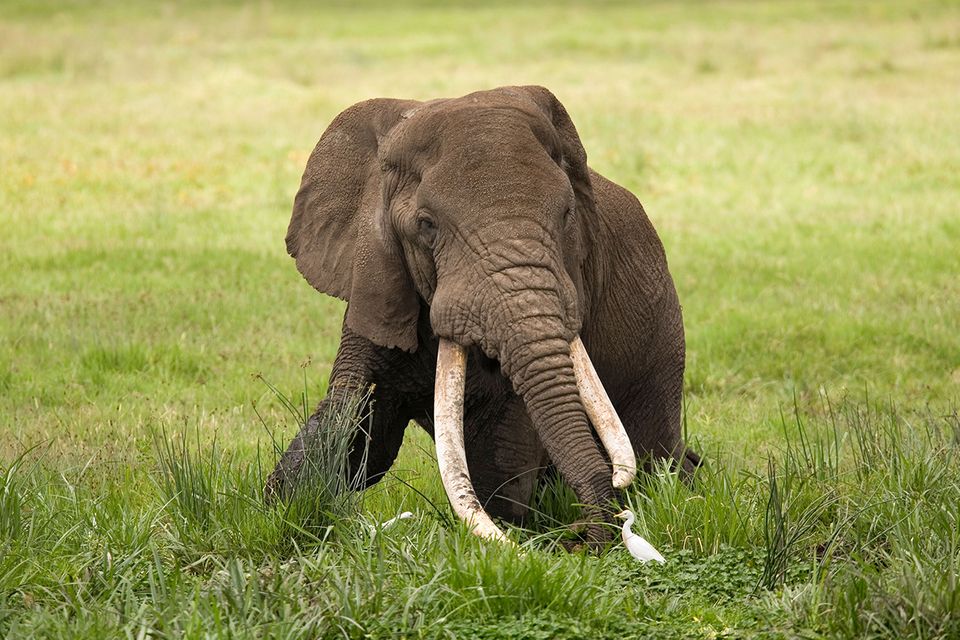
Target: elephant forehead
column 492, row 183
column 472, row 132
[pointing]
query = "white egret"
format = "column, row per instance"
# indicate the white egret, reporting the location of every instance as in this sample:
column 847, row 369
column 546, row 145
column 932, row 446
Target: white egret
column 374, row 529
column 402, row 516
column 636, row 545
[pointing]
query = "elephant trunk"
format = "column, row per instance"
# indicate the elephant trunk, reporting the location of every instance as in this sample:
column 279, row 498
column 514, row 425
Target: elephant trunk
column 537, row 360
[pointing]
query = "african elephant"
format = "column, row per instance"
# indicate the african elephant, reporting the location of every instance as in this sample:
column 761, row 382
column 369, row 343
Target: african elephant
column 473, row 227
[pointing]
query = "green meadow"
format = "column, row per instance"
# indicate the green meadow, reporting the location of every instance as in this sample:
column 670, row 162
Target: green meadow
column 800, row 161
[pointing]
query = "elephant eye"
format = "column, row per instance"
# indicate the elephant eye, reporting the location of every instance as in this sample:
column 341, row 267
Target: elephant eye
column 426, row 229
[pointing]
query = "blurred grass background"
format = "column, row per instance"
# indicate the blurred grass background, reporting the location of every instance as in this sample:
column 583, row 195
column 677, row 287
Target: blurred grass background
column 800, row 160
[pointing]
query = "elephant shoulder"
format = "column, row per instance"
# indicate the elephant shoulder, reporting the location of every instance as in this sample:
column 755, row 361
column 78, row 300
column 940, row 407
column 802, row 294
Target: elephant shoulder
column 622, row 220
column 628, row 262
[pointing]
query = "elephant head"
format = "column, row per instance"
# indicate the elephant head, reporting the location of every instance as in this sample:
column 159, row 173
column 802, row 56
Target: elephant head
column 481, row 210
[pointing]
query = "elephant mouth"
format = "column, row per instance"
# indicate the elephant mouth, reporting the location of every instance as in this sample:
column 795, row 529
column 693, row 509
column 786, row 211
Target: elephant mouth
column 448, row 432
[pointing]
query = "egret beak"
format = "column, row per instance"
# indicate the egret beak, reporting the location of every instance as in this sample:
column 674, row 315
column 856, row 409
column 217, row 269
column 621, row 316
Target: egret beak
column 622, row 515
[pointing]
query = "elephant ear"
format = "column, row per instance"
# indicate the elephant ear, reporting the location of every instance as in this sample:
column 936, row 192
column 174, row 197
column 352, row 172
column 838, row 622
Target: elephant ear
column 339, row 233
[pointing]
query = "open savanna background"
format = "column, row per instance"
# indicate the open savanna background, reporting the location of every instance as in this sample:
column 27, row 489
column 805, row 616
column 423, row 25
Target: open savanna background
column 800, row 160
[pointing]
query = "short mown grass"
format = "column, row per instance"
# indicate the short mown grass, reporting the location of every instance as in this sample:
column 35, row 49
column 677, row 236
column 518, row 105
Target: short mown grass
column 800, row 160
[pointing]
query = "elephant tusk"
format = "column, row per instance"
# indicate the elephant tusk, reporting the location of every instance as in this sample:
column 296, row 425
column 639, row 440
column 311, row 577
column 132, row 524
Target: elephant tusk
column 448, row 435
column 604, row 417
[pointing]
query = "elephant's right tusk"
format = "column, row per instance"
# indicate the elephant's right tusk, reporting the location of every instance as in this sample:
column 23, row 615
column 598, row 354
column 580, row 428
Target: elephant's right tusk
column 604, row 417
column 448, row 435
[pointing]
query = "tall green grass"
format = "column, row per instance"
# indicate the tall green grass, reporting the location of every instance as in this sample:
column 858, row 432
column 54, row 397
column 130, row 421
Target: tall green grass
column 216, row 497
column 860, row 509
column 852, row 531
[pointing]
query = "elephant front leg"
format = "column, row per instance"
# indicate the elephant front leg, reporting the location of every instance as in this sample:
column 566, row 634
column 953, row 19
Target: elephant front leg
column 360, row 399
column 374, row 422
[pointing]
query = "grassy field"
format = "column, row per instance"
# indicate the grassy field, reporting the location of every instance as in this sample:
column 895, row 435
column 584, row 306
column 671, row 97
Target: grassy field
column 801, row 161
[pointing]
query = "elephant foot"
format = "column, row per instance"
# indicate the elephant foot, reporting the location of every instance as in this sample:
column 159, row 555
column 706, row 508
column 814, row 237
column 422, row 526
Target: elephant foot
column 276, row 488
column 279, row 484
column 283, row 479
column 688, row 465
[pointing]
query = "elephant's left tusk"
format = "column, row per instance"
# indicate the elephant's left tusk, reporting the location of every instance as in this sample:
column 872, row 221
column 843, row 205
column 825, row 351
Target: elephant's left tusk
column 604, row 417
column 448, row 435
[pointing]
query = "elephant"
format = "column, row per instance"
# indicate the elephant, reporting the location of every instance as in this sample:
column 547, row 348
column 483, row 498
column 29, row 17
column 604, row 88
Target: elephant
column 502, row 295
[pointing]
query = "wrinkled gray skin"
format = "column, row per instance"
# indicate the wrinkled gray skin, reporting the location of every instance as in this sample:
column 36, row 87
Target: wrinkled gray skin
column 476, row 219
